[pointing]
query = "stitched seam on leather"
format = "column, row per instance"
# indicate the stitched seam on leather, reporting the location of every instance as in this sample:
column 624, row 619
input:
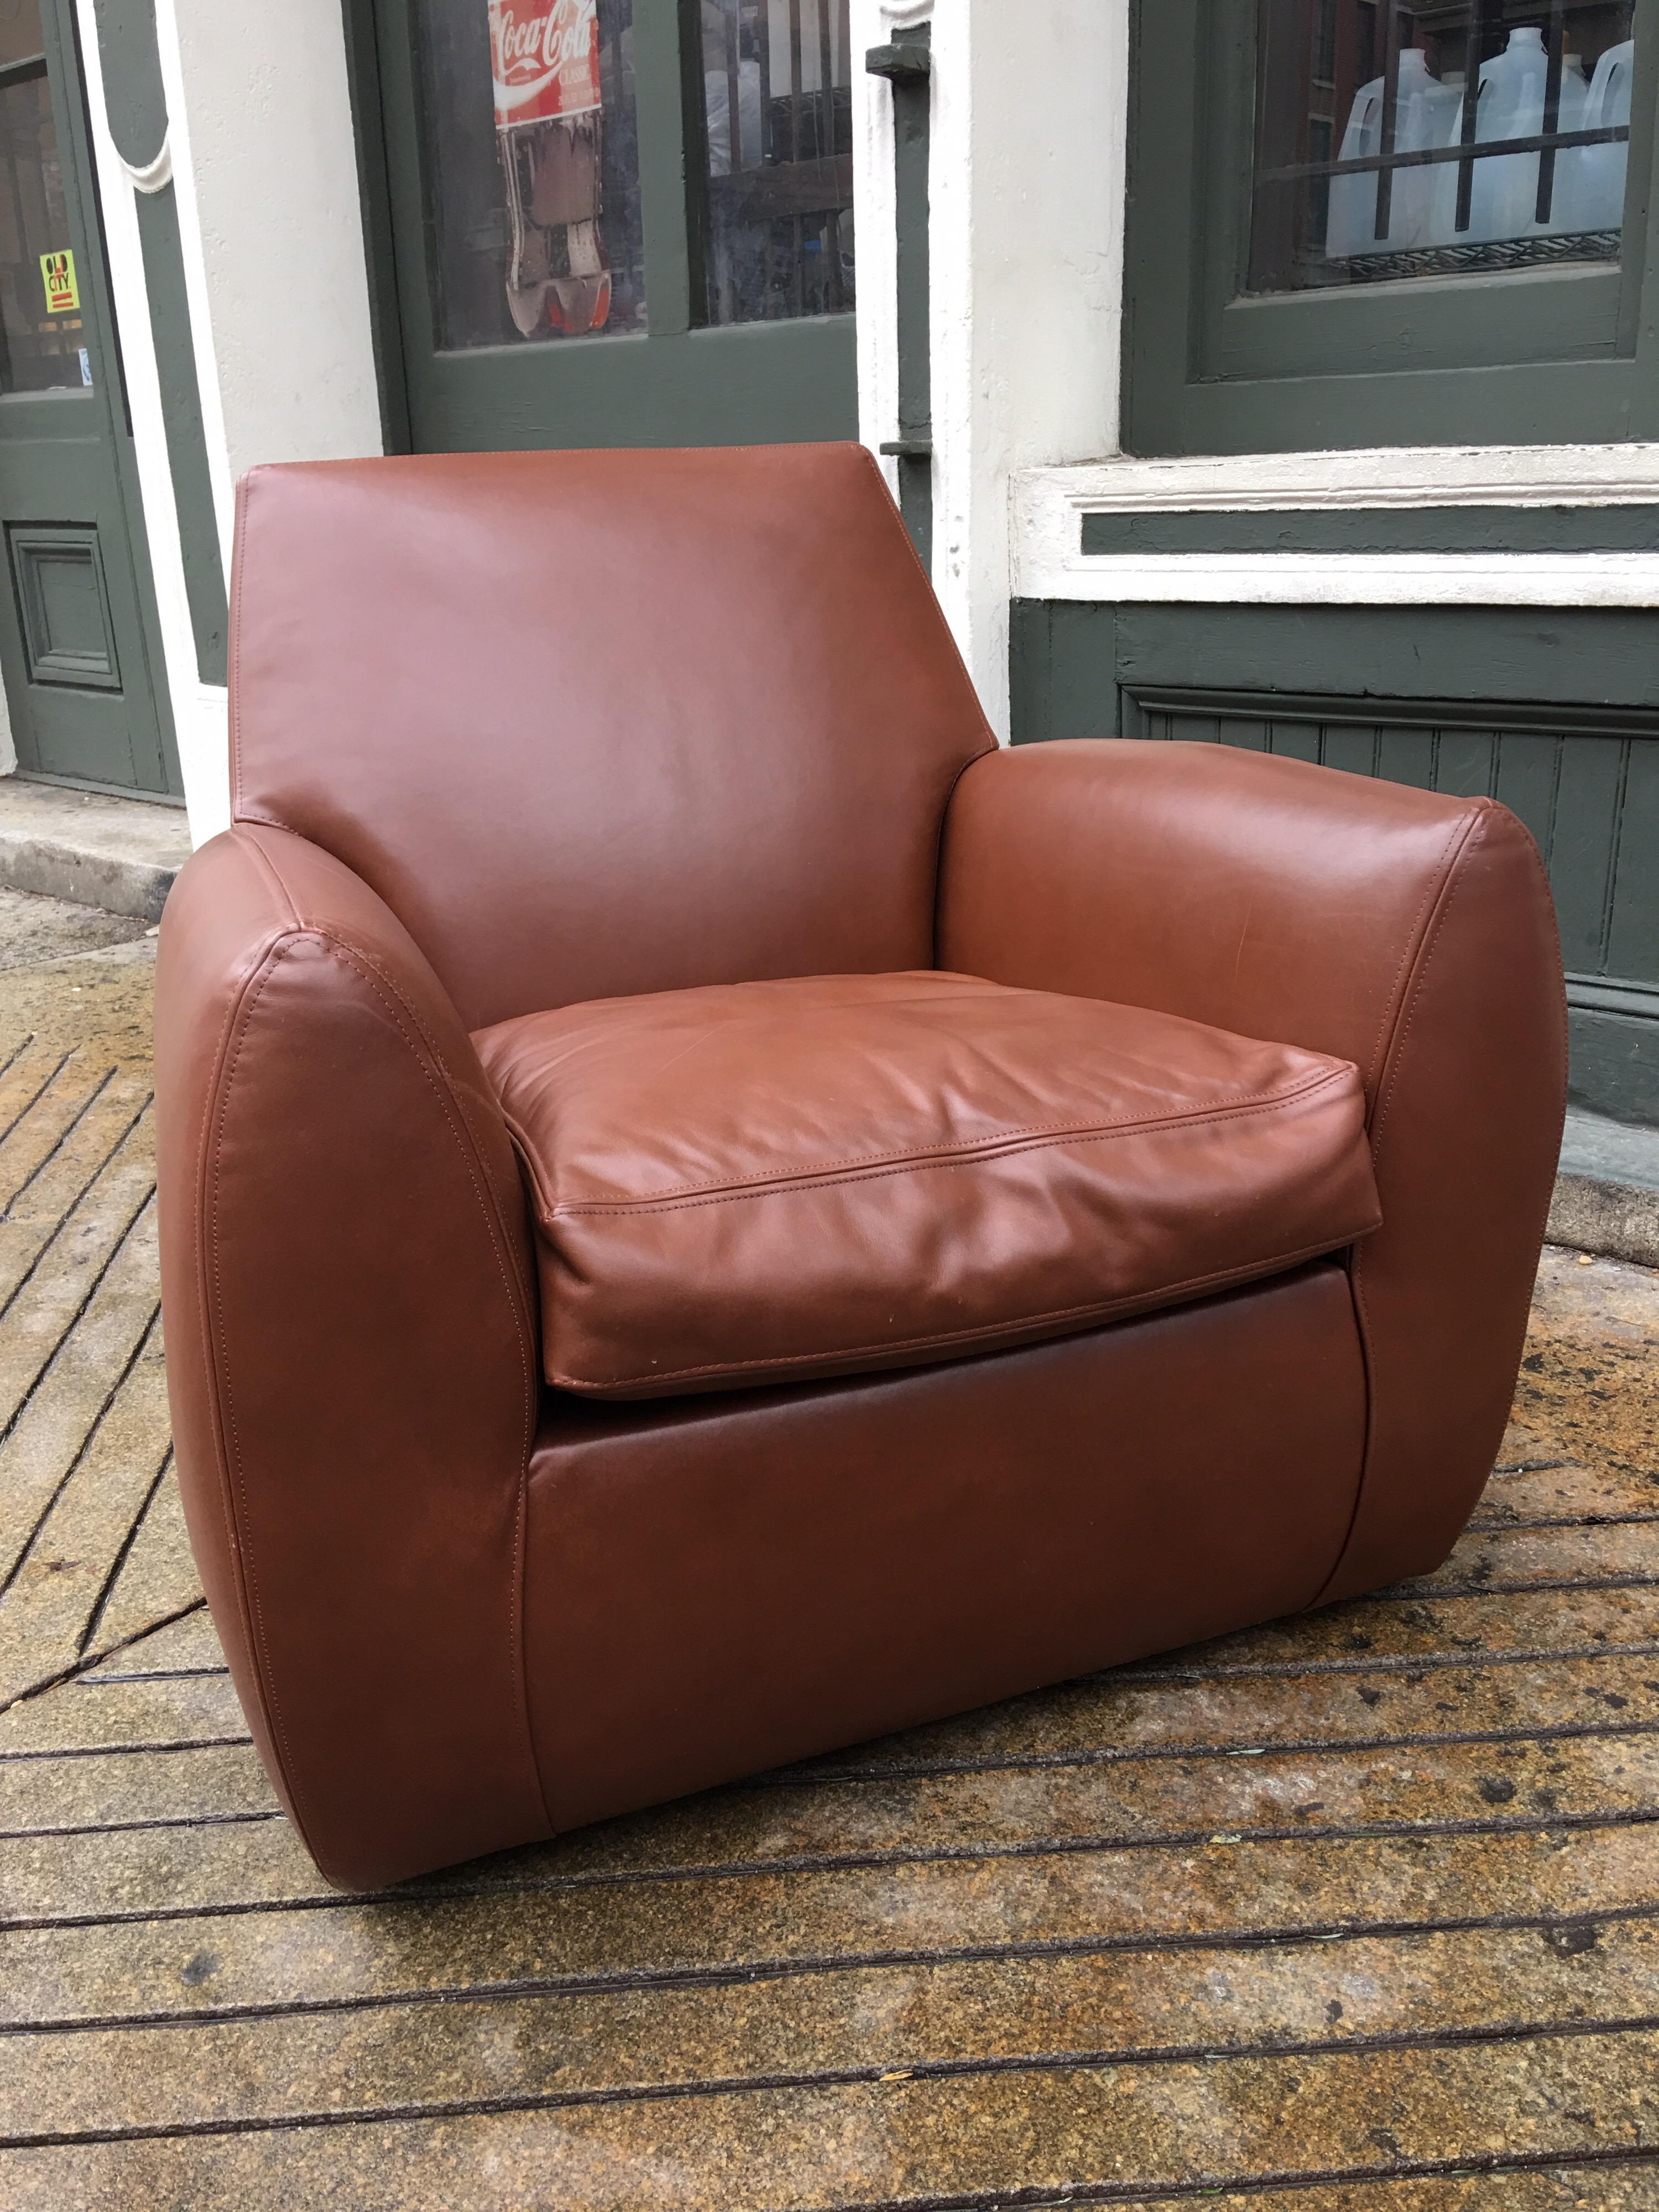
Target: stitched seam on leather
column 944, row 831
column 527, row 1368
column 1456, row 875
column 1450, row 853
column 205, row 1312
column 244, row 1570
column 238, row 813
column 925, row 1163
column 278, row 882
column 239, row 565
column 946, row 633
column 361, row 952
column 1096, row 1310
column 245, row 1549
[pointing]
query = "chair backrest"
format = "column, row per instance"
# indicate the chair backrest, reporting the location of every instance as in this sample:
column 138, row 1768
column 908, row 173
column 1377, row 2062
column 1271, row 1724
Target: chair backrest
column 599, row 723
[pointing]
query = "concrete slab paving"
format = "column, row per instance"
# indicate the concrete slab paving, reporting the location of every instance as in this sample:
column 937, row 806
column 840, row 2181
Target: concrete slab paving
column 1356, row 1912
column 101, row 851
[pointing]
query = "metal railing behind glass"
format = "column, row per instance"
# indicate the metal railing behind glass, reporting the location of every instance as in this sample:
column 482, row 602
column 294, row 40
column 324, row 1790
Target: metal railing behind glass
column 1479, row 135
column 777, row 81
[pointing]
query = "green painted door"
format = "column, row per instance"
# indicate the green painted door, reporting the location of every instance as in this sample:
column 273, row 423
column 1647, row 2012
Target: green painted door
column 77, row 631
column 618, row 222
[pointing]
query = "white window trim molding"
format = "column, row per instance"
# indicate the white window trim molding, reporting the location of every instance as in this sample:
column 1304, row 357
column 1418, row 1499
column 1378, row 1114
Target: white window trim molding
column 1049, row 505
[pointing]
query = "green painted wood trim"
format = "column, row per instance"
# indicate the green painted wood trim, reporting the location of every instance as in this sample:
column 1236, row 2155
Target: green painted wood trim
column 138, row 124
column 181, row 415
column 1564, row 656
column 1555, row 717
column 133, row 93
column 1547, row 356
column 374, row 204
column 743, row 384
column 907, row 64
column 667, row 41
column 1379, row 530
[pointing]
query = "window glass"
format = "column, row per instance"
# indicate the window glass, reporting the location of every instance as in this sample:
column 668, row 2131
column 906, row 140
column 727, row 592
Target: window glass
column 42, row 341
column 1456, row 137
column 532, row 167
column 778, row 89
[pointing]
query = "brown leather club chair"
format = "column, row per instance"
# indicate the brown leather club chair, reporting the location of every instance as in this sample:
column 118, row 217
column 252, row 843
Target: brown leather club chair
column 708, row 1213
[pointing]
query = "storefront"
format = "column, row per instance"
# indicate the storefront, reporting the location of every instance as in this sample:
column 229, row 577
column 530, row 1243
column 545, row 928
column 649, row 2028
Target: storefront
column 1277, row 373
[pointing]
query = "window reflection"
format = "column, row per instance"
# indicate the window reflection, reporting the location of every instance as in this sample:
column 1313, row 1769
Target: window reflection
column 532, row 169
column 42, row 340
column 1457, row 136
column 777, row 90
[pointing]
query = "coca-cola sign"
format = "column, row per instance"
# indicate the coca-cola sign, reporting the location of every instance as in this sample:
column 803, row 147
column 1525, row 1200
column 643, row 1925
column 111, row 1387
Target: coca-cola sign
column 546, row 56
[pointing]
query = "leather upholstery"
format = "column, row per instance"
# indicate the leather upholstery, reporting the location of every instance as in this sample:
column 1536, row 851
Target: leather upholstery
column 592, row 723
column 348, row 1302
column 730, row 1581
column 515, row 733
column 1411, row 933
column 758, row 1181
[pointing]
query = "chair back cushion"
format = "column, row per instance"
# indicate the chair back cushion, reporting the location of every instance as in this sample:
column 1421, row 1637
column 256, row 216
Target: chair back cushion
column 599, row 723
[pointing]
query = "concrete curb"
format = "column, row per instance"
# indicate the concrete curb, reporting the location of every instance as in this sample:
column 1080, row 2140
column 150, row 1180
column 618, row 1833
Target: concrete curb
column 119, row 886
column 121, row 854
column 1617, row 1220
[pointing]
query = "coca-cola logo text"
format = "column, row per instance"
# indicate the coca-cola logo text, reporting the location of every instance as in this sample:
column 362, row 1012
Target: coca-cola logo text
column 552, row 39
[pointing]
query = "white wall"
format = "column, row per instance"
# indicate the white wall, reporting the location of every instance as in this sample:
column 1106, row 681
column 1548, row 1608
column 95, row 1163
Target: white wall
column 262, row 157
column 1026, row 180
column 279, row 225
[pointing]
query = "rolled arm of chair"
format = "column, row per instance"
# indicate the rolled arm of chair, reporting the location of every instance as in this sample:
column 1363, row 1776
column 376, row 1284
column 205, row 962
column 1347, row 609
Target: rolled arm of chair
column 349, row 1301
column 1407, row 931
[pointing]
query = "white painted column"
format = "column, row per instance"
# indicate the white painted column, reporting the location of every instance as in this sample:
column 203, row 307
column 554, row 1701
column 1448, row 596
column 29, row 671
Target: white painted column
column 277, row 224
column 1029, row 106
column 262, row 160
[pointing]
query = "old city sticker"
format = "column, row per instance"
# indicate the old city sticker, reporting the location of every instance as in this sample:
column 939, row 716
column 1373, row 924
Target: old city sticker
column 58, row 274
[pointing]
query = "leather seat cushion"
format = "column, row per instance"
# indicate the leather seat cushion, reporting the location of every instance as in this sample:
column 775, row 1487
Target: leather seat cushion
column 755, row 1182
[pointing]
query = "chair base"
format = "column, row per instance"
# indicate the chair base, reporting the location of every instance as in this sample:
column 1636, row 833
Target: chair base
column 716, row 1586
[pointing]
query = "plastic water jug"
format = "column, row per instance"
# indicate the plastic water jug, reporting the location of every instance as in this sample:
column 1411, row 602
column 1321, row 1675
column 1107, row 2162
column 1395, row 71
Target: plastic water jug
column 1591, row 186
column 1422, row 113
column 1504, row 197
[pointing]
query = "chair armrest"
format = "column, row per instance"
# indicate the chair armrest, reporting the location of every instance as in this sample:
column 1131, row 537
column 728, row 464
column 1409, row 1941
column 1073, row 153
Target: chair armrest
column 349, row 1298
column 1409, row 933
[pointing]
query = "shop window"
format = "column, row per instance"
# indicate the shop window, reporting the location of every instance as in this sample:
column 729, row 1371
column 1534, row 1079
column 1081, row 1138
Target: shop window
column 1343, row 213
column 1469, row 143
column 530, row 114
column 778, row 95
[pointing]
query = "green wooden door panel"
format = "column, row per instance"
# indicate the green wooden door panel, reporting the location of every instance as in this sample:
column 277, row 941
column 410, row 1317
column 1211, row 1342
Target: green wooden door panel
column 1300, row 740
column 1468, row 762
column 56, row 474
column 676, row 382
column 1582, row 845
column 1407, row 756
column 764, row 383
column 1633, row 922
column 79, row 639
column 1352, row 748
